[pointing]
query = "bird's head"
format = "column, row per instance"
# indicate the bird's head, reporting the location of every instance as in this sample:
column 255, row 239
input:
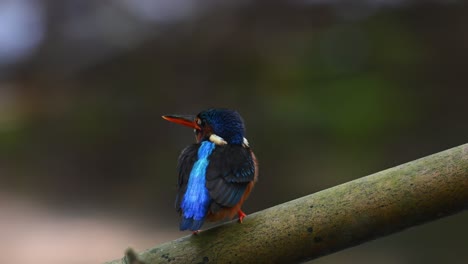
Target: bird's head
column 215, row 124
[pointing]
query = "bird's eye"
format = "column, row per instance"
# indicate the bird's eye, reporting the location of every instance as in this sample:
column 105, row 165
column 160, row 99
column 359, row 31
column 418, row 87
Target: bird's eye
column 199, row 122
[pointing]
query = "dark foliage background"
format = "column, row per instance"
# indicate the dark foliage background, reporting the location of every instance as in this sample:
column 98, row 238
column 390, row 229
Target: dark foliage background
column 330, row 91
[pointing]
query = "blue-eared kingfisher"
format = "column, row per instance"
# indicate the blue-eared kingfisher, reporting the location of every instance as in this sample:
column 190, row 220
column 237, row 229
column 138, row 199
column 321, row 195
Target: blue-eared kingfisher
column 218, row 172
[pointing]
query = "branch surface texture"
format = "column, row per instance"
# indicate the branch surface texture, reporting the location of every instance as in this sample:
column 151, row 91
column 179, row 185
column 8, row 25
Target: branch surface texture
column 333, row 219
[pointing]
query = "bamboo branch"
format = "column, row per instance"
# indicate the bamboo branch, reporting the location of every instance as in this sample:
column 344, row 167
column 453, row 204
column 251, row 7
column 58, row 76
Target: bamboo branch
column 333, row 219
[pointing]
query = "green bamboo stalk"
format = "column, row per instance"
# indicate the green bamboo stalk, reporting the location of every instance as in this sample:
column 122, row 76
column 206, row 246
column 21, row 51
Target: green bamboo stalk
column 333, row 219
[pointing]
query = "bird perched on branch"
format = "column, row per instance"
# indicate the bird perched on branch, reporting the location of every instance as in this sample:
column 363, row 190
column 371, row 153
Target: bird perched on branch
column 217, row 173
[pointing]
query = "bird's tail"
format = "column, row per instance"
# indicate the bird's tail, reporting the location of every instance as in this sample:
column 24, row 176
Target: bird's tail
column 191, row 224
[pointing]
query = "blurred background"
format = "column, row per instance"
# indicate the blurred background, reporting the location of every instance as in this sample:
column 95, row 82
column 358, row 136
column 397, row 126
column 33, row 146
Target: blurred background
column 330, row 92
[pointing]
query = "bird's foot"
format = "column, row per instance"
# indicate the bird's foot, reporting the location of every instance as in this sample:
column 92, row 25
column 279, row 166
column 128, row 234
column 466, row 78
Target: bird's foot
column 242, row 215
column 196, row 232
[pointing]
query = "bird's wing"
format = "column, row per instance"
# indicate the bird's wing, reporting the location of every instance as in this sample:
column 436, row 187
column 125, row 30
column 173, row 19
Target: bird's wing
column 187, row 158
column 230, row 170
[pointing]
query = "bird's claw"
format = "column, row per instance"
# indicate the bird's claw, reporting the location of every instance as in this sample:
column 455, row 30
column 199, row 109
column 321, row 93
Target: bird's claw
column 242, row 215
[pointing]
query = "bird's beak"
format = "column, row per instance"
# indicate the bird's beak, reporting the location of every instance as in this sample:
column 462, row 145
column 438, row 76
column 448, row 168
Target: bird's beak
column 184, row 120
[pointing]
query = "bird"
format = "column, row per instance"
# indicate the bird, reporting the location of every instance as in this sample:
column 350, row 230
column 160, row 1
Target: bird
column 217, row 173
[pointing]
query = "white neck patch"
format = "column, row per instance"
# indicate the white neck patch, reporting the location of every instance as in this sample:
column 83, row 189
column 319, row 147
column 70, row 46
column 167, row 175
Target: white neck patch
column 220, row 141
column 217, row 140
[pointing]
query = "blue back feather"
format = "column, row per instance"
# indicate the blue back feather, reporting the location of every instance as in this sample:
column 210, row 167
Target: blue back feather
column 197, row 199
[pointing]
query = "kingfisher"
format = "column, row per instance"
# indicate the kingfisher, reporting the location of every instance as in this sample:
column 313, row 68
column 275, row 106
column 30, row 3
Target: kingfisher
column 217, row 173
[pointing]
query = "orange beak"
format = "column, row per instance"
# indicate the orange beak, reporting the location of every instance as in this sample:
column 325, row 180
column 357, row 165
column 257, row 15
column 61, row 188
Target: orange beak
column 188, row 121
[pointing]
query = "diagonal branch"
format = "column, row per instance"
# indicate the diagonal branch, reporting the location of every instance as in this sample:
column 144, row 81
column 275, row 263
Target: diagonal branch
column 333, row 219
